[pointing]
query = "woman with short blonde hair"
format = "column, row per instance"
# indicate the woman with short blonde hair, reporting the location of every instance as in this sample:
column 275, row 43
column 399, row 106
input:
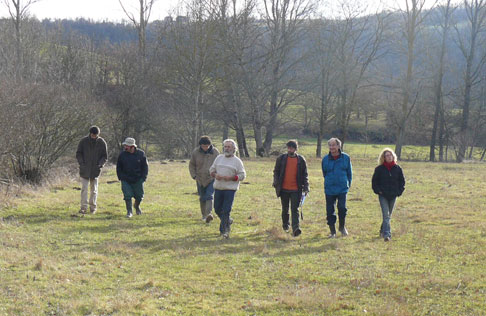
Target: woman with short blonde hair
column 388, row 183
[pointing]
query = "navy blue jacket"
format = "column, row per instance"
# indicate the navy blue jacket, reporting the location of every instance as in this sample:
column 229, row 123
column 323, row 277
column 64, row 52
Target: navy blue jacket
column 338, row 174
column 388, row 183
column 132, row 167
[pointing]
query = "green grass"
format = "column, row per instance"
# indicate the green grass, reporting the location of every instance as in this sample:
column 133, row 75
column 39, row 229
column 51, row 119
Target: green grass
column 167, row 262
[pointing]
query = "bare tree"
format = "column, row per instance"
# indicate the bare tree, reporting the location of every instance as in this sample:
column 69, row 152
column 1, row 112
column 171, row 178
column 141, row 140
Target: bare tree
column 18, row 11
column 475, row 60
column 446, row 12
column 140, row 22
column 283, row 19
column 413, row 17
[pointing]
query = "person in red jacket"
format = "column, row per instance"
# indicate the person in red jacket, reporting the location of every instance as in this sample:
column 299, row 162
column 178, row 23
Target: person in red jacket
column 388, row 182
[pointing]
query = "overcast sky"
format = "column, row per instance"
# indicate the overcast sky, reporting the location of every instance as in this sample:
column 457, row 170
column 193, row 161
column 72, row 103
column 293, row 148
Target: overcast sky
column 97, row 10
column 100, row 10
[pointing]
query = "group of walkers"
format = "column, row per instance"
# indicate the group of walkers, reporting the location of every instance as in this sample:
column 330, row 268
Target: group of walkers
column 218, row 177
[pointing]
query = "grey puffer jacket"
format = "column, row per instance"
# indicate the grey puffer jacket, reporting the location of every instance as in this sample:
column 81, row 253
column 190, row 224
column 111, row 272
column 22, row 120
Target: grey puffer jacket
column 91, row 155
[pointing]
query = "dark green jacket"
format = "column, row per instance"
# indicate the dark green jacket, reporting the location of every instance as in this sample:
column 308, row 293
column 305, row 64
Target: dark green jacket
column 91, row 155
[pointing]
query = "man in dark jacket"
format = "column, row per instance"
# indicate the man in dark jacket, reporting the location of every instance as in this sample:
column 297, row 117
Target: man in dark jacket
column 291, row 182
column 201, row 159
column 91, row 155
column 132, row 171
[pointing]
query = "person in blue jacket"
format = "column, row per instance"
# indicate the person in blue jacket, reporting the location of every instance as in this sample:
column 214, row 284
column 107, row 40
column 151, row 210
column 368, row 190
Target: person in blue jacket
column 338, row 174
column 132, row 171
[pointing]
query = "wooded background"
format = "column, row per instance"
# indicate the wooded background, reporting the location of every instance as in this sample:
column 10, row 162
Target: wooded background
column 251, row 69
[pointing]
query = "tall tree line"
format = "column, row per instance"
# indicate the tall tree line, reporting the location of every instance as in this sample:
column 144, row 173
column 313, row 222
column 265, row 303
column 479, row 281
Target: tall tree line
column 254, row 68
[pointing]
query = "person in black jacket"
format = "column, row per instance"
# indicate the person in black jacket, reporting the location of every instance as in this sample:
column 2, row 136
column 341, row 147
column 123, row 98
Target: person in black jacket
column 132, row 171
column 290, row 181
column 388, row 182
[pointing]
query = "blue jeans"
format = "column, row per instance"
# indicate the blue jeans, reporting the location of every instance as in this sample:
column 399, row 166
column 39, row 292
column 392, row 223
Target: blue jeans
column 387, row 205
column 131, row 190
column 223, row 202
column 205, row 192
column 341, row 206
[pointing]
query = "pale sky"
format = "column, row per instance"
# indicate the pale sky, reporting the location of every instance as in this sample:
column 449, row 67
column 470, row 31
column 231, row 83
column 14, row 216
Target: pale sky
column 100, row 10
column 97, row 10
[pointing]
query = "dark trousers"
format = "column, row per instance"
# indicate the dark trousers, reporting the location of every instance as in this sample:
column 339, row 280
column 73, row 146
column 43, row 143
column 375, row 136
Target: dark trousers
column 223, row 202
column 132, row 190
column 341, row 206
column 294, row 199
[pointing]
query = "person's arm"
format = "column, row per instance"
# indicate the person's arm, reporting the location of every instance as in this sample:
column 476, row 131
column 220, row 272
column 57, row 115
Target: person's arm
column 305, row 176
column 103, row 154
column 323, row 166
column 119, row 167
column 212, row 169
column 375, row 182
column 144, row 163
column 276, row 171
column 192, row 166
column 240, row 172
column 401, row 181
column 350, row 172
column 79, row 153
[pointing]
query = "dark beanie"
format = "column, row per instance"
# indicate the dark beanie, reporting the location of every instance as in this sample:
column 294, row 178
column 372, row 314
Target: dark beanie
column 204, row 140
column 94, row 130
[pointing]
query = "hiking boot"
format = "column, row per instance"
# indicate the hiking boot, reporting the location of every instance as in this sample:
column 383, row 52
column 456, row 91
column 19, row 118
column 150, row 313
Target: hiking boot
column 344, row 231
column 137, row 207
column 297, row 232
column 209, row 218
column 332, row 228
column 128, row 204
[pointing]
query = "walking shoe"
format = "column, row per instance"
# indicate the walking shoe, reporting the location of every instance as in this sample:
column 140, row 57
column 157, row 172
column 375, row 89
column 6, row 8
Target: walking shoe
column 82, row 211
column 92, row 211
column 387, row 238
column 297, row 232
column 286, row 228
column 209, row 218
column 331, row 235
column 226, row 235
column 129, row 215
column 137, row 207
column 344, row 231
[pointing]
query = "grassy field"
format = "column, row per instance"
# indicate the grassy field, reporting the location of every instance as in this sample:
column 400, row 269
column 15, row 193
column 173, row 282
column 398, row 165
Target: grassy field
column 167, row 262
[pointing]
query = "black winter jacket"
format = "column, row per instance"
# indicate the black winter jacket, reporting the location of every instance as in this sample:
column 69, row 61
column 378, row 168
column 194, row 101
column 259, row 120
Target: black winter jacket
column 132, row 167
column 389, row 183
column 279, row 173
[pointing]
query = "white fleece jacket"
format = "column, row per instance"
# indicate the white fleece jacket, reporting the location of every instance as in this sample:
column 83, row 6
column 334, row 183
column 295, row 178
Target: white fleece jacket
column 228, row 166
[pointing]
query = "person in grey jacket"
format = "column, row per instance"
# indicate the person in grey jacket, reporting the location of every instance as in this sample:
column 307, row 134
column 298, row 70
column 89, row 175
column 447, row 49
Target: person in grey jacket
column 228, row 171
column 201, row 160
column 91, row 154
